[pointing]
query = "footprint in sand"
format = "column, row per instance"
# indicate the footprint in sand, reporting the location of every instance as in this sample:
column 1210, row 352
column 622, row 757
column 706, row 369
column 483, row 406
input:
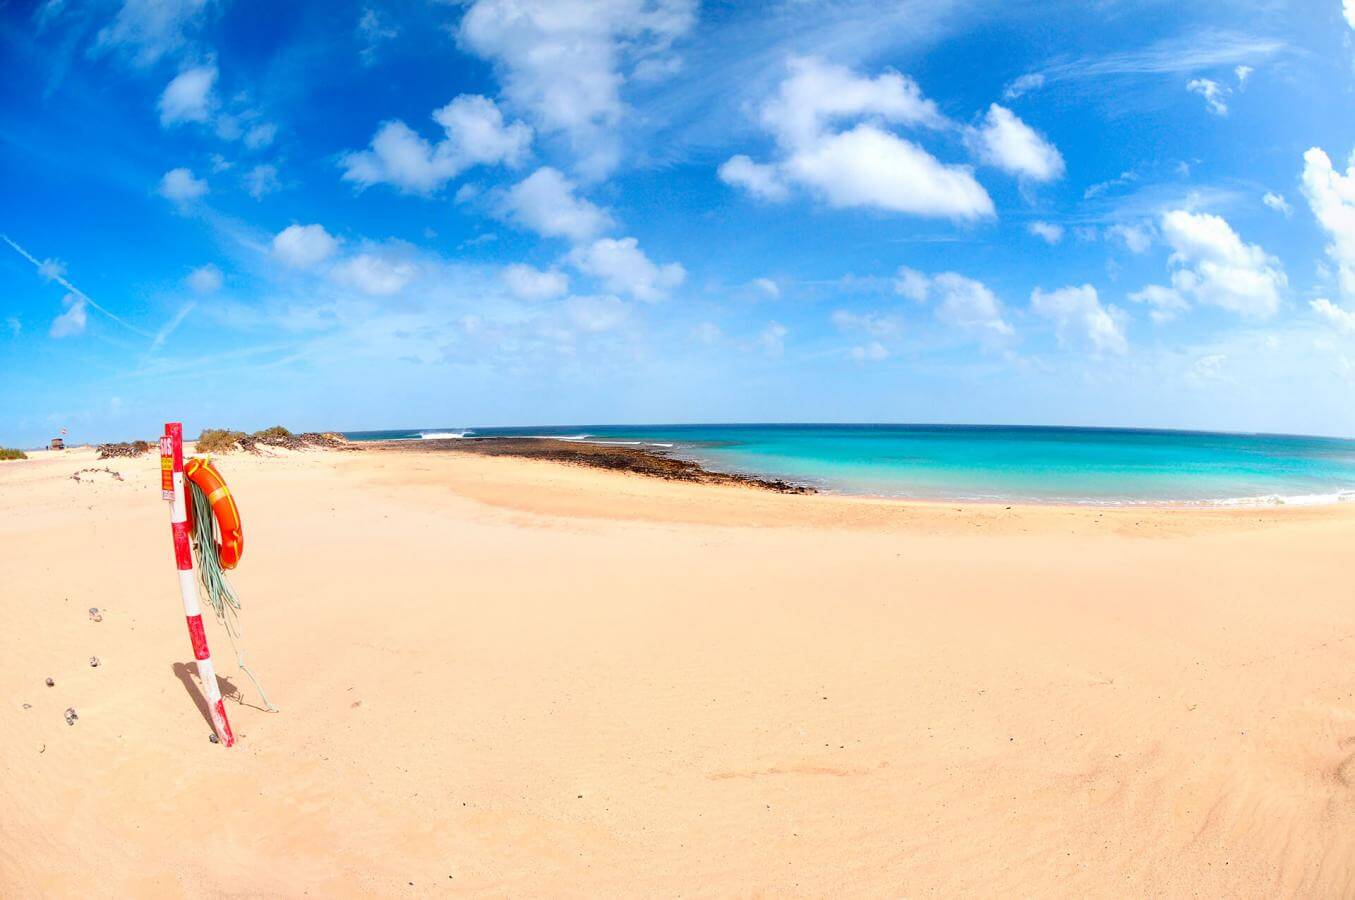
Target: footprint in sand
column 1345, row 769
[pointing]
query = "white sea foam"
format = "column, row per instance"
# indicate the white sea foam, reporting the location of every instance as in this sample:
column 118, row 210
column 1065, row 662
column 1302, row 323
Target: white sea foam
column 444, row 435
column 1291, row 499
column 589, row 439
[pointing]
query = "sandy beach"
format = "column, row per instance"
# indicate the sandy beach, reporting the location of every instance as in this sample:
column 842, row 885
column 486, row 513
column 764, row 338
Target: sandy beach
column 511, row 677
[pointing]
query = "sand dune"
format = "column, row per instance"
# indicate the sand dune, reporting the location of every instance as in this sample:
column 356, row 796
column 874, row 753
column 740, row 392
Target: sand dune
column 507, row 677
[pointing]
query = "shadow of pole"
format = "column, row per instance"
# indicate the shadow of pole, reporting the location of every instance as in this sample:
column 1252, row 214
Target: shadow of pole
column 187, row 673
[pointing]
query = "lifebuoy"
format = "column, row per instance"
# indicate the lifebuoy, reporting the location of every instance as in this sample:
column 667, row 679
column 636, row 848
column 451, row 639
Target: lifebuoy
column 232, row 544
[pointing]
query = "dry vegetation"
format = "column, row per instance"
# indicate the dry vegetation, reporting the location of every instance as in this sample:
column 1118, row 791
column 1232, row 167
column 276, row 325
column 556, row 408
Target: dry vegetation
column 224, row 440
column 130, row 449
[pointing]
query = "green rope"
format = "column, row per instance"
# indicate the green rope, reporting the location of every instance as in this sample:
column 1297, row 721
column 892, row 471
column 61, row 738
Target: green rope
column 218, row 590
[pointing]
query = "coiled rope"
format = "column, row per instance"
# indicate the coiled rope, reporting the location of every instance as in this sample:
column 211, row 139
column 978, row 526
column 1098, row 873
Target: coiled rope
column 219, row 592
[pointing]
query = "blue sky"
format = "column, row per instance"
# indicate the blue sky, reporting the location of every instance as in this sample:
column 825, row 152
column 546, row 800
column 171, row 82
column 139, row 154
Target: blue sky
column 508, row 212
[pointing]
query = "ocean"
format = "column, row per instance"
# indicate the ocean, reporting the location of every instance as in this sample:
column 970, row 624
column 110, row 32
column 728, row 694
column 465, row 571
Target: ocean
column 992, row 463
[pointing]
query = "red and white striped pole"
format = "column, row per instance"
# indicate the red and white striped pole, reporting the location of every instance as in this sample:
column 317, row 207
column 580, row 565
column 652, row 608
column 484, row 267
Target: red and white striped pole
column 172, row 489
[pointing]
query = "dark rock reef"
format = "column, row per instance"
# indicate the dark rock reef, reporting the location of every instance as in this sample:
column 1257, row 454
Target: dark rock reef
column 640, row 460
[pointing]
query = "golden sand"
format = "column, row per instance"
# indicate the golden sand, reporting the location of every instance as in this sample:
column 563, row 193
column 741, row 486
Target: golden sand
column 507, row 677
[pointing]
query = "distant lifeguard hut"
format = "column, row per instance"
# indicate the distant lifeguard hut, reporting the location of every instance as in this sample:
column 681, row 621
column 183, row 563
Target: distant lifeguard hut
column 58, row 444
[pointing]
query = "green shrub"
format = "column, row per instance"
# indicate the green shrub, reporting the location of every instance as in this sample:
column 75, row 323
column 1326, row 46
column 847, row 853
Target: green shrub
column 6, row 453
column 219, row 440
column 277, row 431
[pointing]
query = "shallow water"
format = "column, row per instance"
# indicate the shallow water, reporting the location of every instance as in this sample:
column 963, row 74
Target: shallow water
column 963, row 462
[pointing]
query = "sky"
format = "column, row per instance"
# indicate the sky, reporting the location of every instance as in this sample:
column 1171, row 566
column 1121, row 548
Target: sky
column 375, row 215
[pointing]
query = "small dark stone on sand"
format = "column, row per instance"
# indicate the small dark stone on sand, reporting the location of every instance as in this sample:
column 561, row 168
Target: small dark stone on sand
column 212, row 738
column 70, row 715
column 50, row 682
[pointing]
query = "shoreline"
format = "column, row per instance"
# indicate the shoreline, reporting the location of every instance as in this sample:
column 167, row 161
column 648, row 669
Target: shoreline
column 654, row 461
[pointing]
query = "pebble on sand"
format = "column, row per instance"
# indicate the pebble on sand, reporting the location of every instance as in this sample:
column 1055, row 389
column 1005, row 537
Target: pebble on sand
column 95, row 615
column 50, row 682
column 93, row 662
column 70, row 715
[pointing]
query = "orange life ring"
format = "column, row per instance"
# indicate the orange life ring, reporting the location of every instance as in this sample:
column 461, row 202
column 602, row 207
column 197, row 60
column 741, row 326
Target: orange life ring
column 232, row 544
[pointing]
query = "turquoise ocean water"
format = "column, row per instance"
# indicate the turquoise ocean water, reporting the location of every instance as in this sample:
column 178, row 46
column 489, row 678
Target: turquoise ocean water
column 994, row 463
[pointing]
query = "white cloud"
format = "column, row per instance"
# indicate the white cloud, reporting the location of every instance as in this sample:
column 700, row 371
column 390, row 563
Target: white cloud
column 188, row 98
column 877, row 325
column 912, row 284
column 767, row 286
column 205, row 279
column 1003, row 140
column 1102, row 186
column 1079, row 316
column 150, row 29
column 1030, row 82
column 1278, row 203
column 51, row 269
column 969, row 305
column 1136, row 238
column 374, row 32
column 545, row 203
column 262, row 180
column 475, row 135
column 304, row 246
column 1046, row 231
column 601, row 313
column 1331, row 196
column 872, row 352
column 872, row 168
column 73, row 320
column 1343, row 320
column 1212, row 264
column 758, row 179
column 180, row 186
column 1191, row 50
column 564, row 63
column 477, row 132
column 623, row 267
column 817, row 94
column 866, row 165
column 1214, row 94
column 261, row 135
column 1208, row 367
column 379, row 275
column 1348, row 9
column 1243, row 73
column 1164, row 303
column 961, row 302
column 772, row 339
column 533, row 284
